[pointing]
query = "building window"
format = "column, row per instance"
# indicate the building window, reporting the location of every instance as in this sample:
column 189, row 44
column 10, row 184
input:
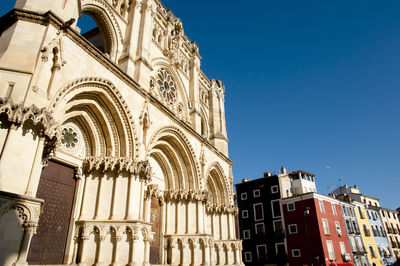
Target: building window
column 326, row 227
column 274, row 189
column 258, row 212
column 246, row 234
column 280, row 249
column 362, row 216
column 291, row 207
column 366, row 230
column 247, row 257
column 256, row 193
column 276, row 209
column 321, row 206
column 342, row 248
column 331, row 251
column 338, row 229
column 261, row 252
column 278, row 226
column 371, row 250
column 245, row 214
column 10, row 89
column 292, row 228
column 260, row 228
column 296, row 253
column 243, row 196
column 334, row 209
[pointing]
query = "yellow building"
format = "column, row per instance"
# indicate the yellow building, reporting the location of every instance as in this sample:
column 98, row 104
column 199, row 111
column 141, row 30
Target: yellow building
column 392, row 226
column 367, row 236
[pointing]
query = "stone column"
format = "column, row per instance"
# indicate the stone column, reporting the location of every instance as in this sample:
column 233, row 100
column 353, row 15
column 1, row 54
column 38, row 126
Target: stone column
column 186, row 253
column 198, row 214
column 166, row 217
column 196, row 254
column 102, row 238
column 237, row 255
column 29, row 231
column 229, row 255
column 141, row 200
column 162, row 227
column 118, row 239
column 220, row 225
column 175, row 259
column 134, row 239
column 187, row 217
column 84, row 240
column 204, row 217
column 130, row 199
column 113, row 212
column 146, row 261
column 176, row 217
column 165, row 255
column 228, row 217
column 98, row 198
column 207, row 253
column 82, row 212
column 147, row 209
column 37, row 166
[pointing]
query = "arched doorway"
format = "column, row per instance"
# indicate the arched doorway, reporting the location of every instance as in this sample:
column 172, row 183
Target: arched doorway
column 57, row 189
column 155, row 219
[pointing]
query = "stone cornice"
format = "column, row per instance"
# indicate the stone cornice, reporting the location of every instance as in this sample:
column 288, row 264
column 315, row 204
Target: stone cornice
column 141, row 169
column 50, row 18
column 19, row 114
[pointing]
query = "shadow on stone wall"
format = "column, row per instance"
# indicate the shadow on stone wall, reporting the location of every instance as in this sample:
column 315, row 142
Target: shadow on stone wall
column 11, row 233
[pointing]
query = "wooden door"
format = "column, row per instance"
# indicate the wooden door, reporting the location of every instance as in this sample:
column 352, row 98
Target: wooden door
column 155, row 218
column 57, row 189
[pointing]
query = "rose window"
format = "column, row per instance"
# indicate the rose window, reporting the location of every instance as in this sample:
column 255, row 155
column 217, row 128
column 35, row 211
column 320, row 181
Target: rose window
column 167, row 86
column 69, row 138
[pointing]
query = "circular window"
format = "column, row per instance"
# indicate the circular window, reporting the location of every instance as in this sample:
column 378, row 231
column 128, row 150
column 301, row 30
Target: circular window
column 69, row 138
column 167, row 86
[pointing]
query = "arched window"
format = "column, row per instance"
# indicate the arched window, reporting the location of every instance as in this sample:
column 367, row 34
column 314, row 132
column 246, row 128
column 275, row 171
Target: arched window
column 94, row 29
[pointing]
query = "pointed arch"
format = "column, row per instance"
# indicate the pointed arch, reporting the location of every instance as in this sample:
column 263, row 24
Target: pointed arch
column 107, row 24
column 98, row 109
column 172, row 150
column 218, row 184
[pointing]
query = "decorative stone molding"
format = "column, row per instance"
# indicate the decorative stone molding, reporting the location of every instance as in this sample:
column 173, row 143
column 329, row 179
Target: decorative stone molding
column 222, row 208
column 177, row 132
column 47, row 127
column 19, row 114
column 141, row 169
column 28, row 209
column 121, row 105
column 187, row 195
column 225, row 179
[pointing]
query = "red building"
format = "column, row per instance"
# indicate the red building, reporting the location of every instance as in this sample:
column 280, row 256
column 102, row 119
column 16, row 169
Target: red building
column 315, row 231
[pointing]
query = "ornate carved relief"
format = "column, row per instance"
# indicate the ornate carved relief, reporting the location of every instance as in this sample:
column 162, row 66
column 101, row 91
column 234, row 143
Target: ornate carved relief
column 186, row 141
column 27, row 209
column 141, row 169
column 109, row 88
column 47, row 127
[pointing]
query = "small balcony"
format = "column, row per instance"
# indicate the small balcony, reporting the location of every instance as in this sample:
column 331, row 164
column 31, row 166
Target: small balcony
column 346, row 257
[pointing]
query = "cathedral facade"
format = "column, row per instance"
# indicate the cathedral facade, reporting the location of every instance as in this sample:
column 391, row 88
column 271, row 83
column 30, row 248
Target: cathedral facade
column 113, row 143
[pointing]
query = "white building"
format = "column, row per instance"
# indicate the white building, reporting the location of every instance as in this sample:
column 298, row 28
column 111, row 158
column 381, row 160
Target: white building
column 131, row 130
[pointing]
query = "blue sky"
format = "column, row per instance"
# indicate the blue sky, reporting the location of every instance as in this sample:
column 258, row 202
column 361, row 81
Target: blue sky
column 311, row 85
